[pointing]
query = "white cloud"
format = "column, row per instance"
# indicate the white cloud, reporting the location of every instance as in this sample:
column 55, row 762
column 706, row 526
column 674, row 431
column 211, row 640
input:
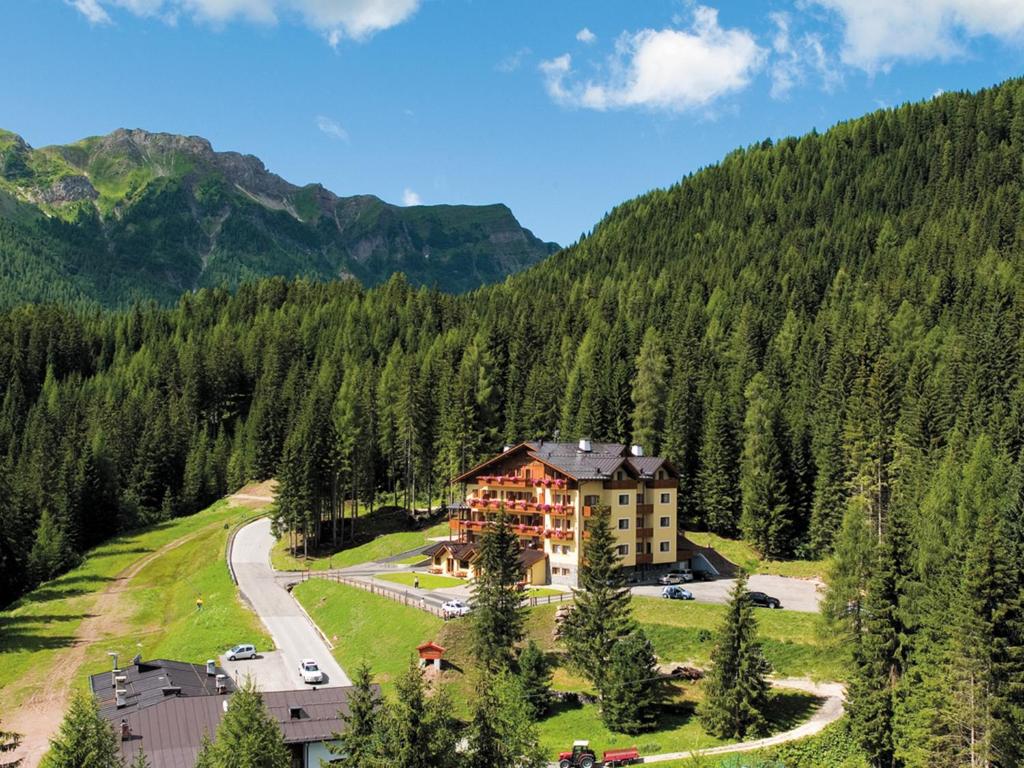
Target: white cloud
column 793, row 58
column 880, row 32
column 411, row 198
column 92, row 10
column 513, row 61
column 586, row 36
column 331, row 128
column 666, row 69
column 335, row 19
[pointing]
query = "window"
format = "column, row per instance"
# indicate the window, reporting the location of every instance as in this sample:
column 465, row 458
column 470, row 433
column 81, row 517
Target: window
column 618, row 475
column 639, row 498
column 526, row 474
column 665, row 546
column 565, row 549
column 665, row 522
column 592, row 501
column 666, row 498
column 623, row 549
column 623, row 499
column 623, row 523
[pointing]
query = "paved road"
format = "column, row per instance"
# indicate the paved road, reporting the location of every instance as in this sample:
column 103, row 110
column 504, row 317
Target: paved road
column 794, row 594
column 295, row 636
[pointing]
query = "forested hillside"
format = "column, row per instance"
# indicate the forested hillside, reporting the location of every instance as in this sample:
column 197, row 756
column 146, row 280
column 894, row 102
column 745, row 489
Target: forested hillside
column 137, row 215
column 824, row 334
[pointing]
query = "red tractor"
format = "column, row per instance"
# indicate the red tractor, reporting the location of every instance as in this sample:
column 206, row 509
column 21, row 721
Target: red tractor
column 582, row 756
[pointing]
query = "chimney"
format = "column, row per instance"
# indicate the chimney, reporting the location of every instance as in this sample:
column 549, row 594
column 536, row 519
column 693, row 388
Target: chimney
column 637, row 450
column 121, row 696
column 585, row 445
column 113, row 677
column 211, row 667
column 126, row 730
column 222, row 683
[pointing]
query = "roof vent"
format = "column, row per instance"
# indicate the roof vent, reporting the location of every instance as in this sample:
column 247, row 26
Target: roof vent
column 222, row 685
column 637, row 450
column 113, row 677
column 171, row 690
column 585, row 446
column 121, row 697
column 295, row 712
column 211, row 667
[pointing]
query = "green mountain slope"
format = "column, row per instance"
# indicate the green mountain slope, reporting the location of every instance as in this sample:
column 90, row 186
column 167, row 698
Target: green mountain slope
column 143, row 215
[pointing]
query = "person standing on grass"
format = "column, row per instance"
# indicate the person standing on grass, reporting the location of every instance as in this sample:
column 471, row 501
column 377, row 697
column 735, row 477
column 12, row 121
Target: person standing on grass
column 199, row 603
column 416, row 581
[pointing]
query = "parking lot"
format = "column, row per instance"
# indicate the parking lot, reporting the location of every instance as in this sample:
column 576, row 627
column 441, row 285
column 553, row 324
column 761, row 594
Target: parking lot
column 794, row 594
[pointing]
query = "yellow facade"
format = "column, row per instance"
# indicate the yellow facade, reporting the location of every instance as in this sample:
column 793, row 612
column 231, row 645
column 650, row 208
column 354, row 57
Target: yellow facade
column 550, row 511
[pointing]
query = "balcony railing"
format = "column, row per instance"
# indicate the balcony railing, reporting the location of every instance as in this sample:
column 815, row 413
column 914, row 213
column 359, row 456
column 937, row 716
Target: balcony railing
column 521, row 482
column 644, row 533
column 644, row 559
column 645, row 509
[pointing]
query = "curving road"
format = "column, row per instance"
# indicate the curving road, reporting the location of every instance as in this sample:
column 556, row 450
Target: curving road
column 295, row 635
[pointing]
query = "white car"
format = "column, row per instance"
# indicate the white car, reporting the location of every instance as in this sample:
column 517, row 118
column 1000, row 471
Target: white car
column 243, row 651
column 455, row 608
column 310, row 672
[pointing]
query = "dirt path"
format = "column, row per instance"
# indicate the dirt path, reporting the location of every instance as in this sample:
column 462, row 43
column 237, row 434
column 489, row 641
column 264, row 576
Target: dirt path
column 830, row 710
column 40, row 716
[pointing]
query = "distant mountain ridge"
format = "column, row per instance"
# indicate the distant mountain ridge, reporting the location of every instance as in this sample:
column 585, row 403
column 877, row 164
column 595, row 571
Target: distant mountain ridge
column 135, row 214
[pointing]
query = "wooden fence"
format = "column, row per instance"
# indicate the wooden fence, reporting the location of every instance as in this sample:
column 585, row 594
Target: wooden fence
column 416, row 601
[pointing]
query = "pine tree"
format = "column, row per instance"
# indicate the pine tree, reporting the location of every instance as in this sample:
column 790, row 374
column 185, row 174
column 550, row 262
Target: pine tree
column 736, row 691
column 498, row 612
column 535, row 676
column 650, row 392
column 357, row 745
column 85, row 739
column 766, row 520
column 248, row 737
column 717, row 479
column 601, row 614
column 50, row 554
column 9, row 742
column 416, row 731
column 140, row 760
column 632, row 690
column 501, row 731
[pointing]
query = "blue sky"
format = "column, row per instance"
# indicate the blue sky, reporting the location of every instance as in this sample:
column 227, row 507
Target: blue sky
column 559, row 108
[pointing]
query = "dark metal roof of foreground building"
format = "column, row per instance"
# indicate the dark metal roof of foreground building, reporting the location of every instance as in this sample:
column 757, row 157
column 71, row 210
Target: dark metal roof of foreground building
column 150, row 682
column 171, row 732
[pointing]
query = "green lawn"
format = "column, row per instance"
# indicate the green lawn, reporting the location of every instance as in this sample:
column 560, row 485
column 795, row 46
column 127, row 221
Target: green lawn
column 743, row 555
column 794, row 642
column 542, row 592
column 368, row 627
column 412, row 560
column 678, row 729
column 37, row 632
column 381, row 535
column 426, row 580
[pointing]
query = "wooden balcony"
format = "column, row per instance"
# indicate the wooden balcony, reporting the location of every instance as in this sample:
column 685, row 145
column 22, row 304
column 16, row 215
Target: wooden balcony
column 645, row 533
column 667, row 482
column 645, row 509
column 644, row 559
column 588, row 511
column 620, row 485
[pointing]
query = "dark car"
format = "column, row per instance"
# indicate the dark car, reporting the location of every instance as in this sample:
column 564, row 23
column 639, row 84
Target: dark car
column 763, row 600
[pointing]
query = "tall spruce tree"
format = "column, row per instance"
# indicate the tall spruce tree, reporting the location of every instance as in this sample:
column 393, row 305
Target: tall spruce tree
column 418, row 731
column 535, row 676
column 650, row 392
column 601, row 614
column 767, row 510
column 501, row 730
column 247, row 736
column 633, row 690
column 498, row 612
column 85, row 739
column 9, row 742
column 358, row 743
column 736, row 690
column 717, row 480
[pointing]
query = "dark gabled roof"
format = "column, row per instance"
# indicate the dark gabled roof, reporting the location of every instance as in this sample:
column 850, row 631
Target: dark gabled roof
column 528, row 557
column 147, row 680
column 646, row 466
column 171, row 732
column 468, row 550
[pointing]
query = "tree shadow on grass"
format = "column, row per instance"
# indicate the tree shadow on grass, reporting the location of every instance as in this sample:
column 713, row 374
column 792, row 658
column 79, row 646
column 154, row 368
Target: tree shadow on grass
column 788, row 709
column 13, row 639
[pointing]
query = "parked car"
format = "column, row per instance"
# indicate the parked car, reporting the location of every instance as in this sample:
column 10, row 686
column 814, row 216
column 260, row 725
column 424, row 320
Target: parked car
column 763, row 600
column 243, row 651
column 454, row 608
column 675, row 592
column 679, row 576
column 310, row 672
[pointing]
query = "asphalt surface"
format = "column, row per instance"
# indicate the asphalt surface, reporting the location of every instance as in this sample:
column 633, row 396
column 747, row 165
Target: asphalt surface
column 794, row 594
column 295, row 636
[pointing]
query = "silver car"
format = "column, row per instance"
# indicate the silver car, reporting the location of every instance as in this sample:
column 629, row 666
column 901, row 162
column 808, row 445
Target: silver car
column 243, row 651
